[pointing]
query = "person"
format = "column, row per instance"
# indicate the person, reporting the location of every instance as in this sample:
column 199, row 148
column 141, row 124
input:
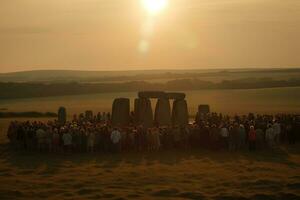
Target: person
column 231, row 138
column 115, row 138
column 103, row 118
column 224, row 136
column 242, row 134
column 141, row 138
column 170, row 138
column 74, row 118
column 185, row 134
column 83, row 140
column 108, row 117
column 156, row 139
column 20, row 140
column 214, row 135
column 237, row 136
column 277, row 131
column 204, row 136
column 75, row 137
column 290, row 133
column 30, row 137
column 49, row 135
column 67, row 141
column 91, row 140
column 234, row 137
column 149, row 139
column 270, row 136
column 107, row 144
column 252, row 138
column 12, row 133
column 55, row 140
column 99, row 117
column 259, row 138
column 124, row 139
column 132, row 134
column 41, row 139
column 176, row 136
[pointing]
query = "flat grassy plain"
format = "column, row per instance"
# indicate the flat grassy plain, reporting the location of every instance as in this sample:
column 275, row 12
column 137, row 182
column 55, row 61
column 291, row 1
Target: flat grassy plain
column 272, row 100
column 190, row 174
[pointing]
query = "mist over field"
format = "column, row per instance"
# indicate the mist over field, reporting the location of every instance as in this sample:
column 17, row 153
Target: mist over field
column 174, row 174
column 60, row 83
column 263, row 101
column 163, row 75
column 225, row 90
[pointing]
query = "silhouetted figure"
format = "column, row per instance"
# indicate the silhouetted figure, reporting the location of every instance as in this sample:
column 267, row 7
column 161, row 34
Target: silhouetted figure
column 252, row 139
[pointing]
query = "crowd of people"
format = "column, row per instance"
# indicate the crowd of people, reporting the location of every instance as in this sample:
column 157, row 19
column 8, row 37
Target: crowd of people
column 212, row 131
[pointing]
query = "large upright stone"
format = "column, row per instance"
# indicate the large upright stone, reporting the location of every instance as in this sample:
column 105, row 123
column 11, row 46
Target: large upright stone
column 161, row 95
column 152, row 94
column 175, row 95
column 180, row 115
column 62, row 115
column 121, row 112
column 162, row 112
column 143, row 112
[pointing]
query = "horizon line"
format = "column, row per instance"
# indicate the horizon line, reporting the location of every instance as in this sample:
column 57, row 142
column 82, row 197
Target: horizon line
column 153, row 69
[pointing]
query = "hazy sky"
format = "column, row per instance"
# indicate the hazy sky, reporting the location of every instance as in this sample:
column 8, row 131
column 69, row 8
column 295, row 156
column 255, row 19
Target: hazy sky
column 121, row 35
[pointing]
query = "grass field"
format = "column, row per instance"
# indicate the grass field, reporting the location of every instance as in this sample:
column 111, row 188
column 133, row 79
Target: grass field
column 273, row 100
column 198, row 174
column 195, row 174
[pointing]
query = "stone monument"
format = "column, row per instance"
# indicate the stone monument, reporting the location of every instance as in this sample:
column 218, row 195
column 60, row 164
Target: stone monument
column 62, row 115
column 120, row 112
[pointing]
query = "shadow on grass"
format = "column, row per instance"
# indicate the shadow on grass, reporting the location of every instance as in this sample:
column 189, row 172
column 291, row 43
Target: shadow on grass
column 30, row 160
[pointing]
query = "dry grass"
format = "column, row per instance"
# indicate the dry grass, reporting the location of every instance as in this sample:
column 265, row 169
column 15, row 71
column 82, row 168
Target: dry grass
column 171, row 175
column 274, row 100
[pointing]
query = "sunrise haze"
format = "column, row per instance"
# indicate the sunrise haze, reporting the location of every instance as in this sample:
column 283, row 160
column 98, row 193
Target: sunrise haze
column 127, row 35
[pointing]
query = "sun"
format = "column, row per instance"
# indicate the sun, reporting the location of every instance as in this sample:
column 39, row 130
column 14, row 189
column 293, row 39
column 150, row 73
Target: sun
column 154, row 6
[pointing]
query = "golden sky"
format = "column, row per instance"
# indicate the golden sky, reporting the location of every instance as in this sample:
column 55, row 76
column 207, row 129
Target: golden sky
column 122, row 35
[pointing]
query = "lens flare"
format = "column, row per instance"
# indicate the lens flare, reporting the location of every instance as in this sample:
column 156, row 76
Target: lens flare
column 154, row 6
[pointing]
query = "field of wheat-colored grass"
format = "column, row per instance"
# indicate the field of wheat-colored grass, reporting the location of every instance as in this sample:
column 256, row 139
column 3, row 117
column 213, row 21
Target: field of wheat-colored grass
column 192, row 174
column 273, row 100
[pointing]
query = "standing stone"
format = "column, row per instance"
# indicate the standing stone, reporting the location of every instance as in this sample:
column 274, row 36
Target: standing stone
column 143, row 112
column 62, row 115
column 151, row 94
column 163, row 112
column 180, row 115
column 175, row 95
column 121, row 112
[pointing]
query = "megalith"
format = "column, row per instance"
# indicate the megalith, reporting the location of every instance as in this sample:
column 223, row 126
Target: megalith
column 180, row 115
column 175, row 95
column 152, row 94
column 121, row 112
column 62, row 115
column 143, row 112
column 162, row 112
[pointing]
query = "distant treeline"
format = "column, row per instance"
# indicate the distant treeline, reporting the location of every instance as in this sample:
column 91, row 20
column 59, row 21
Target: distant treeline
column 64, row 76
column 28, row 90
column 27, row 114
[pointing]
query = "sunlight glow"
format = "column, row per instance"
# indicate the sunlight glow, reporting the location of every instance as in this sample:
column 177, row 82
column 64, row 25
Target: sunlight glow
column 155, row 6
